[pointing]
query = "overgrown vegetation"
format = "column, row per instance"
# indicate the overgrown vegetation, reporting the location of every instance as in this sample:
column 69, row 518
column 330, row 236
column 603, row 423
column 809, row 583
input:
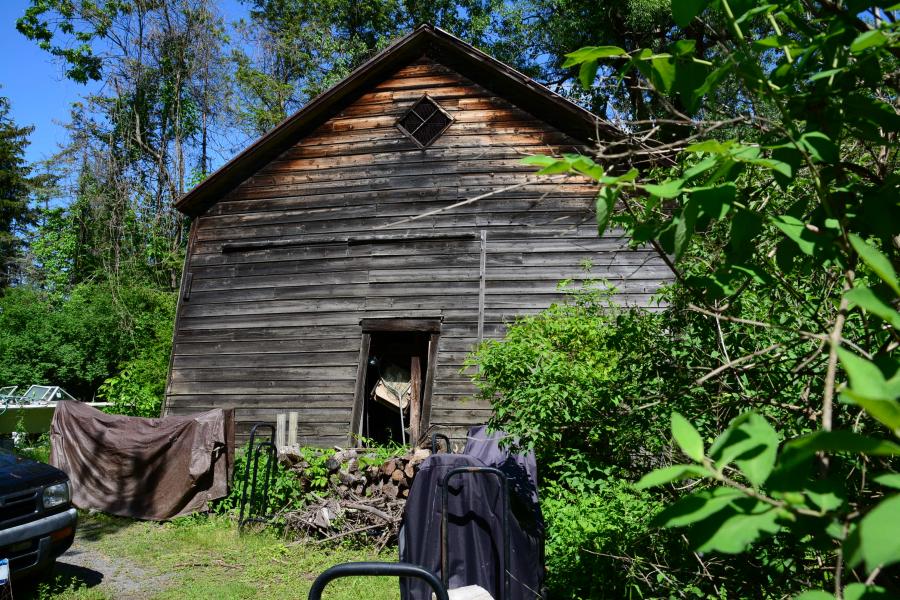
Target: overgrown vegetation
column 309, row 481
column 286, row 489
column 774, row 200
column 759, row 159
column 78, row 340
column 563, row 380
column 206, row 557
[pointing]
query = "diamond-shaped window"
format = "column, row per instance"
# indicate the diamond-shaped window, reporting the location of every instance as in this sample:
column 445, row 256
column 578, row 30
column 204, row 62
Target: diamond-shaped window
column 424, row 122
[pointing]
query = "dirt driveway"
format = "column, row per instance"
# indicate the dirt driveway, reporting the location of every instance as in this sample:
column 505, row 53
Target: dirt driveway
column 115, row 577
column 85, row 571
column 198, row 558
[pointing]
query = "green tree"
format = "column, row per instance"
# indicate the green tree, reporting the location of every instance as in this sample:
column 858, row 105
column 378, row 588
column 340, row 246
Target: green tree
column 15, row 186
column 778, row 213
column 300, row 48
column 139, row 144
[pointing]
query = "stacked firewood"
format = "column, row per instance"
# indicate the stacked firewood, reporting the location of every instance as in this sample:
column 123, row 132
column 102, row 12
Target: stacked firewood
column 362, row 497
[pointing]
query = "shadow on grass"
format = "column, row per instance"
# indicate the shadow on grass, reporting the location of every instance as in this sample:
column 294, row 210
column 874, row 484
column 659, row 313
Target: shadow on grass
column 95, row 526
column 64, row 578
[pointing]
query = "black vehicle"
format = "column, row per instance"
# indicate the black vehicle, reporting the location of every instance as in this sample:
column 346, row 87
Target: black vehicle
column 37, row 520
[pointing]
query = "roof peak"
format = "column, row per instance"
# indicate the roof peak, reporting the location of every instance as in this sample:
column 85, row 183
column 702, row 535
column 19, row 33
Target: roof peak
column 428, row 40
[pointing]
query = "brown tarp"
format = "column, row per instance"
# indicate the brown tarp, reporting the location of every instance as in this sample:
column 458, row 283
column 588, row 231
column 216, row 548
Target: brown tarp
column 141, row 468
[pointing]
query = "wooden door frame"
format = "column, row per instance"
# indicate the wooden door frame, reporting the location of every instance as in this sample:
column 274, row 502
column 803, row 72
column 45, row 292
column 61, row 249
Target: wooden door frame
column 431, row 326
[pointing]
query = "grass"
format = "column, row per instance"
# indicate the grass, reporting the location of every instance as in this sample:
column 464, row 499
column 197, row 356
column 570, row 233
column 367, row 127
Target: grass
column 205, row 557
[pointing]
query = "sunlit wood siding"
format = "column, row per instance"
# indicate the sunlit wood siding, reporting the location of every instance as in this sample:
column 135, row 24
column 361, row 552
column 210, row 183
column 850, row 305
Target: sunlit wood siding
column 281, row 269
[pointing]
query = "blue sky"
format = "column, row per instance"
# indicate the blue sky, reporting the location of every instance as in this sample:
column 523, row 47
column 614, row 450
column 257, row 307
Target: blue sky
column 34, row 83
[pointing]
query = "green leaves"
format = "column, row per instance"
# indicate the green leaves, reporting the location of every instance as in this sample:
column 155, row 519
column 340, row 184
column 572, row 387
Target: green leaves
column 696, row 507
column 549, row 164
column 854, row 591
column 891, row 480
column 788, row 204
column 815, row 595
column 820, row 147
column 684, row 11
column 796, row 230
column 870, row 390
column 588, row 59
column 751, row 443
column 866, row 299
column 606, row 201
column 734, row 529
column 869, row 39
column 806, row 446
column 668, row 189
column 721, row 519
column 729, row 519
column 876, row 261
column 668, row 475
column 876, row 541
column 592, row 53
column 687, row 437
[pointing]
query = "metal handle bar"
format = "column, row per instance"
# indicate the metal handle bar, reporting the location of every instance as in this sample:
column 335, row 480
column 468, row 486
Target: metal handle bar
column 434, row 446
column 253, row 454
column 376, row 569
column 445, row 497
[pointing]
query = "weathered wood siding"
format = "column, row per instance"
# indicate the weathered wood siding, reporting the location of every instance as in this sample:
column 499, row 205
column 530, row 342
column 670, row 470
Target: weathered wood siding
column 271, row 329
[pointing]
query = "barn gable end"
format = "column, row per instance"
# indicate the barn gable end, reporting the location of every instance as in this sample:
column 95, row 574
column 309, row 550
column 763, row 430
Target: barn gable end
column 295, row 274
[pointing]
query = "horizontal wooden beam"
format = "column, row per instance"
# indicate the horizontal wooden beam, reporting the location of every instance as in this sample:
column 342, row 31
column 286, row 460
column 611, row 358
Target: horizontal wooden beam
column 350, row 241
column 401, row 325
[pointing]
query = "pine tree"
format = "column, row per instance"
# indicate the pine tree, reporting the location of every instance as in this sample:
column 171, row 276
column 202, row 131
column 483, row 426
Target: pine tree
column 15, row 213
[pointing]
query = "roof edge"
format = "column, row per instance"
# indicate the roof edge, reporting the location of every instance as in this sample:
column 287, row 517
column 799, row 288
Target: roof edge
column 425, row 39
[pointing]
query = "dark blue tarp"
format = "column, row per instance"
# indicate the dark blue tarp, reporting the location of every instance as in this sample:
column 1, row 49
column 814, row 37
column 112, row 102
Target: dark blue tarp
column 475, row 518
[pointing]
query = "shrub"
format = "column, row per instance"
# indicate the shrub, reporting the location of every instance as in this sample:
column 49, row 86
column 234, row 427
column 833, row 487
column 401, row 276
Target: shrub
column 80, row 340
column 598, row 542
column 286, row 489
column 574, row 378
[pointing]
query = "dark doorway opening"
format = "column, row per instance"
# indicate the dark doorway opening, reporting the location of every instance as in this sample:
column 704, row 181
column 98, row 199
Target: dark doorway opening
column 397, row 359
column 394, row 381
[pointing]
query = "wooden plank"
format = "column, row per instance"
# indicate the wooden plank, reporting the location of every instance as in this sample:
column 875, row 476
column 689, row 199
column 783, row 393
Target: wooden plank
column 482, row 274
column 415, row 397
column 371, row 325
column 216, row 399
column 502, row 243
column 250, row 359
column 329, row 196
column 292, row 428
column 192, row 237
column 359, row 387
column 450, row 328
column 280, row 431
column 191, row 387
column 285, row 348
column 298, row 374
column 350, row 240
column 431, row 369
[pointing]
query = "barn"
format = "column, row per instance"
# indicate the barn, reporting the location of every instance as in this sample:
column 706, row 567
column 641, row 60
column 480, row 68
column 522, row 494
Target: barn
column 343, row 265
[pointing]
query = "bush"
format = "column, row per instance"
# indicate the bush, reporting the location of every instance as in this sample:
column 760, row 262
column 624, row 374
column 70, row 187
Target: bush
column 581, row 384
column 598, row 542
column 285, row 491
column 80, row 340
column 574, row 378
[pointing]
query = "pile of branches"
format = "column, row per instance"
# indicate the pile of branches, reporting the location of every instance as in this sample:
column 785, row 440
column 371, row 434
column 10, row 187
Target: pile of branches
column 364, row 496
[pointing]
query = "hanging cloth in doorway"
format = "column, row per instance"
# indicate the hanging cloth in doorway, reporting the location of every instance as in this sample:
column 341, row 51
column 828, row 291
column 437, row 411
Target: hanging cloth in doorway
column 393, row 387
